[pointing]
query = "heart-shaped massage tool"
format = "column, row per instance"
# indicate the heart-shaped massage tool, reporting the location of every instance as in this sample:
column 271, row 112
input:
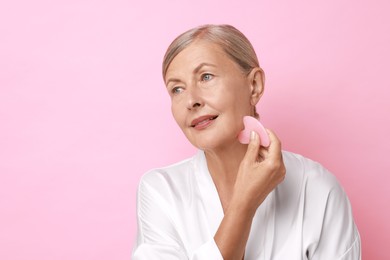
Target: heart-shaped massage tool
column 252, row 124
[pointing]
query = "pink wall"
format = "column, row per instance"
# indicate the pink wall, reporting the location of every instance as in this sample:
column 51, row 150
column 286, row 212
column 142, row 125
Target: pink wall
column 84, row 113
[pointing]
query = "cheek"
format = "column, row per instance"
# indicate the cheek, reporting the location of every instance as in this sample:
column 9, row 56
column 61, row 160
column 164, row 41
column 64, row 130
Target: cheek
column 232, row 101
column 177, row 114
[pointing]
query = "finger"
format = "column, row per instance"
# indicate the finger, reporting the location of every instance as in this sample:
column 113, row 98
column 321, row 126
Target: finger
column 262, row 155
column 253, row 147
column 263, row 152
column 275, row 148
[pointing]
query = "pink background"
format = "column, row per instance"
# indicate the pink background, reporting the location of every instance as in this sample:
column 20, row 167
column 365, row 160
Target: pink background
column 84, row 113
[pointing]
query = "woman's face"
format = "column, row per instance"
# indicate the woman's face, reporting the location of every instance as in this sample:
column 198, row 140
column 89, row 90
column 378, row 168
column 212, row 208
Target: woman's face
column 210, row 95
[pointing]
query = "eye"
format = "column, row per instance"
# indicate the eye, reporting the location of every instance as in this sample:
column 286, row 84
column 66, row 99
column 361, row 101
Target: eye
column 176, row 90
column 207, row 76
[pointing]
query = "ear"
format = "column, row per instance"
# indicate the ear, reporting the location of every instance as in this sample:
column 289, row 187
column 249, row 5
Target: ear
column 256, row 81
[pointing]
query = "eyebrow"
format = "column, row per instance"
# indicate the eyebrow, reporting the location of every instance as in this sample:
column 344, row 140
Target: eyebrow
column 196, row 70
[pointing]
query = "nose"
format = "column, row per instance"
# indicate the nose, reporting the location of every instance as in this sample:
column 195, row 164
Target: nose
column 195, row 99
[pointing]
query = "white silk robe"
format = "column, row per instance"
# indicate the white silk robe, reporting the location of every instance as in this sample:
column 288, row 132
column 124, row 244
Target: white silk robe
column 307, row 216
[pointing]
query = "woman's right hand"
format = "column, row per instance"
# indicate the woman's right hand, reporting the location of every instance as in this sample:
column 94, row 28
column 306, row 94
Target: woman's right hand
column 261, row 170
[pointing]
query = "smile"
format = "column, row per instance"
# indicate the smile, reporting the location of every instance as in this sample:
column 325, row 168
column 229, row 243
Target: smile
column 203, row 121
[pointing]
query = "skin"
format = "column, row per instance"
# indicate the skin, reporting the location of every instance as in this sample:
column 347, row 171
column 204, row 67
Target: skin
column 202, row 80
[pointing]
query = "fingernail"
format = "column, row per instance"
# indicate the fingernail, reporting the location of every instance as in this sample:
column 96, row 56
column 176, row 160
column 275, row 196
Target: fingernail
column 253, row 135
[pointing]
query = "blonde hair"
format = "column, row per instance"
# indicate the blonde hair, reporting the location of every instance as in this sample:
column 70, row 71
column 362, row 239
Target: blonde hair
column 231, row 40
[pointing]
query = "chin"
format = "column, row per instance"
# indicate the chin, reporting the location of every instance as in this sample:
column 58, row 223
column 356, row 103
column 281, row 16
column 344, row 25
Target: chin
column 204, row 143
column 212, row 143
column 212, row 138
column 204, row 146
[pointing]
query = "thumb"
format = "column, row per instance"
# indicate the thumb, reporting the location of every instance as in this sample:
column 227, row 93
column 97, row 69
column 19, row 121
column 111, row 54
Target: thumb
column 253, row 147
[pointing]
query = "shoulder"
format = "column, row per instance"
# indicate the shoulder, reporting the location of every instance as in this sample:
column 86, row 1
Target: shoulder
column 170, row 181
column 325, row 208
column 309, row 172
column 309, row 181
column 329, row 230
column 173, row 172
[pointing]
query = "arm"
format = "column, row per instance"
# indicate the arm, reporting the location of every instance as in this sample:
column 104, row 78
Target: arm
column 158, row 236
column 339, row 238
column 255, row 180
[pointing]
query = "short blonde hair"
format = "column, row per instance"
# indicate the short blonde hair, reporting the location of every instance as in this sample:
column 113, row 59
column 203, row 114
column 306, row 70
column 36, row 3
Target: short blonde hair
column 231, row 40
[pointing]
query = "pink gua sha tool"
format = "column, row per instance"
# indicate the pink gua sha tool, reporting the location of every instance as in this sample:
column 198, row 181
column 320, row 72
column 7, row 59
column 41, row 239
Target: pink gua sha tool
column 252, row 124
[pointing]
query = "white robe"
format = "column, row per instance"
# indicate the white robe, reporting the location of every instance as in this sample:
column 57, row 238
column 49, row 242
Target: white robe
column 307, row 216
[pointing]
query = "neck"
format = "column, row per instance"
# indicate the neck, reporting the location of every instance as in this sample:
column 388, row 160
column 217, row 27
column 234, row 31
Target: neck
column 223, row 164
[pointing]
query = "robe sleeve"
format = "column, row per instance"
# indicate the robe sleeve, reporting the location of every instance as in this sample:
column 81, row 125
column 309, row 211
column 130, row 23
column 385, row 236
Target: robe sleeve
column 157, row 235
column 339, row 238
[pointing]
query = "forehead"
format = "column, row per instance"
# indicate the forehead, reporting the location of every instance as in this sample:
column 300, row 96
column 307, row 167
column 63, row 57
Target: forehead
column 196, row 53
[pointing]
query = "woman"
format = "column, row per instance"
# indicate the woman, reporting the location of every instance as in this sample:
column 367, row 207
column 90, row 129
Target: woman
column 235, row 201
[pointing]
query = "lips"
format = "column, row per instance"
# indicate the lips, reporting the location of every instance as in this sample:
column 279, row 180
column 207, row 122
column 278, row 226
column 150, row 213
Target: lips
column 203, row 121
